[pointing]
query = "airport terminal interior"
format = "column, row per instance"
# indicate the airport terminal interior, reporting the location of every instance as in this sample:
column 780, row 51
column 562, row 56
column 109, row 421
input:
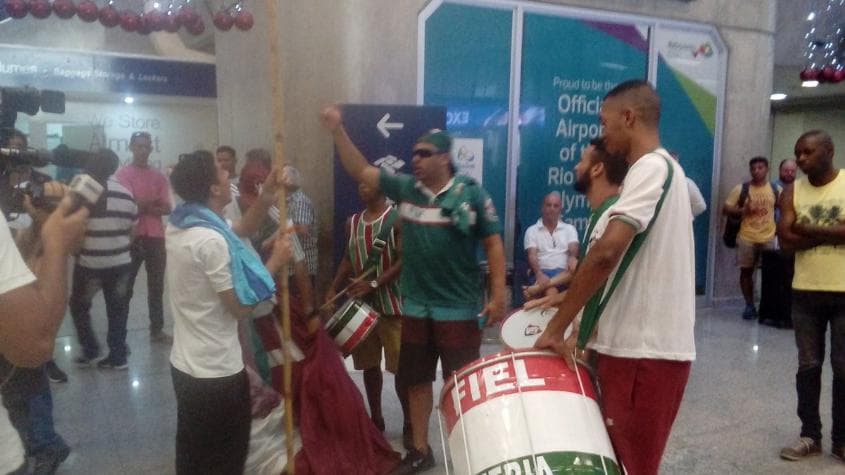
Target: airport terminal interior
column 519, row 86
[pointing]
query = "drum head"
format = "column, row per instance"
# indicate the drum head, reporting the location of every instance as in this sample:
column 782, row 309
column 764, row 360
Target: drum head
column 522, row 328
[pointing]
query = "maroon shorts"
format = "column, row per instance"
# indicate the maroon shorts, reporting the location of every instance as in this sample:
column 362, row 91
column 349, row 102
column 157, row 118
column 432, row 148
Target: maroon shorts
column 641, row 398
column 424, row 340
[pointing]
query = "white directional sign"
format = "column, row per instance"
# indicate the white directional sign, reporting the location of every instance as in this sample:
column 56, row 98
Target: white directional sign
column 384, row 126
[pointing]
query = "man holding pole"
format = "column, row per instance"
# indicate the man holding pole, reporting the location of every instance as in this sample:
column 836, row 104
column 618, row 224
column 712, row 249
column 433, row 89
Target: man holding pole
column 642, row 270
column 444, row 217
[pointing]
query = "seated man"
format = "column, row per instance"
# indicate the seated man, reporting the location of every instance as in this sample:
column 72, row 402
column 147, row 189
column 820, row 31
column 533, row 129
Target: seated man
column 552, row 249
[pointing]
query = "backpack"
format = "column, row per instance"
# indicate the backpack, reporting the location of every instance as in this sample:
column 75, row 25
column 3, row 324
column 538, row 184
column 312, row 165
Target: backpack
column 732, row 224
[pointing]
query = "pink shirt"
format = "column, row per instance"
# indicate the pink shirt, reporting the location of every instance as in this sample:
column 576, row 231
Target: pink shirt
column 146, row 184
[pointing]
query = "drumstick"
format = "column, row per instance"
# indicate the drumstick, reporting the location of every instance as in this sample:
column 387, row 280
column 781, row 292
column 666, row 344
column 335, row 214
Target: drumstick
column 346, row 289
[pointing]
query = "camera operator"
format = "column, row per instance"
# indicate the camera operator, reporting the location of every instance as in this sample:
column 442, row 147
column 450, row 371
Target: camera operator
column 18, row 176
column 32, row 303
column 26, row 391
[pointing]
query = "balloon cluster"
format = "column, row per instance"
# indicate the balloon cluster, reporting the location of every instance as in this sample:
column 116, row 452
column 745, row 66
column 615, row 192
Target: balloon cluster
column 170, row 19
column 825, row 44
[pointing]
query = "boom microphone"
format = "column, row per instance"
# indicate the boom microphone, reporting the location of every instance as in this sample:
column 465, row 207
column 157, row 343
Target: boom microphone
column 64, row 156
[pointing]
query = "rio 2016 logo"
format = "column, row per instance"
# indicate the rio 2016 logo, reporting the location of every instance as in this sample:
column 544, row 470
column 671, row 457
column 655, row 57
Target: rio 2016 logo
column 706, row 50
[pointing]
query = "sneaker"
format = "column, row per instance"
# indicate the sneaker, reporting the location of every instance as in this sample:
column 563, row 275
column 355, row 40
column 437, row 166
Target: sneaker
column 803, row 448
column 54, row 373
column 48, row 461
column 110, row 363
column 161, row 337
column 83, row 361
column 750, row 313
column 415, row 462
column 838, row 452
column 407, row 437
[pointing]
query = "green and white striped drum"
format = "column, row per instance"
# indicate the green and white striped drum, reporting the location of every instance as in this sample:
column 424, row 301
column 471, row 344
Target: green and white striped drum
column 525, row 412
column 350, row 324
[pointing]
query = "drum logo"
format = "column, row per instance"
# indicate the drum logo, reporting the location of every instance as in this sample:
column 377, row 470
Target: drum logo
column 493, row 380
column 532, row 330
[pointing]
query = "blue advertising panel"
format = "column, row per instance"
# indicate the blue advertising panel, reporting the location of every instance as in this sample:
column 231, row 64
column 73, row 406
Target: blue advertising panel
column 467, row 69
column 568, row 65
column 385, row 134
column 85, row 72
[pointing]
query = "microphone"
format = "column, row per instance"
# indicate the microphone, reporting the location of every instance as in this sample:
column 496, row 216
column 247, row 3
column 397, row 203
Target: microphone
column 65, row 156
column 27, row 156
column 86, row 191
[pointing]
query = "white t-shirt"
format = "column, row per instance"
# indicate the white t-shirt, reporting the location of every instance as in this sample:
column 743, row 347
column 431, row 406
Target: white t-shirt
column 205, row 334
column 651, row 314
column 552, row 248
column 13, row 274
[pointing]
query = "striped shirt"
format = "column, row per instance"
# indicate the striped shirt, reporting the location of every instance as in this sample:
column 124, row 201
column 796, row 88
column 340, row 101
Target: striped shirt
column 301, row 212
column 107, row 238
column 386, row 299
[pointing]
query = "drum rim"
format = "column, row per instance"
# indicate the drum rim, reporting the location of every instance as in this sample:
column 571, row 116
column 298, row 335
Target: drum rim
column 331, row 322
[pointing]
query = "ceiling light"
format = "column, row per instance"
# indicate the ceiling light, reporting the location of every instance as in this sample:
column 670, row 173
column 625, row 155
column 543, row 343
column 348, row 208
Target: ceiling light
column 811, row 16
column 129, row 100
column 778, row 96
column 809, row 84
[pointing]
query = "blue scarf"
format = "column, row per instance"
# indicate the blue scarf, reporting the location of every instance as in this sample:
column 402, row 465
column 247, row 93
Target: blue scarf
column 251, row 280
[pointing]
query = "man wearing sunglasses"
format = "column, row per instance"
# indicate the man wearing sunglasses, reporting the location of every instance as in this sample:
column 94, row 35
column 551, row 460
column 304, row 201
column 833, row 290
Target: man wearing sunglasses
column 444, row 218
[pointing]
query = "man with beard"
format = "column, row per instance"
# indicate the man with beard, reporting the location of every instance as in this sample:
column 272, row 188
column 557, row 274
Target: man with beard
column 642, row 267
column 598, row 175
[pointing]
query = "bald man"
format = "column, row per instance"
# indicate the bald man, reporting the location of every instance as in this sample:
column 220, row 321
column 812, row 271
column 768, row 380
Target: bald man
column 644, row 337
column 551, row 247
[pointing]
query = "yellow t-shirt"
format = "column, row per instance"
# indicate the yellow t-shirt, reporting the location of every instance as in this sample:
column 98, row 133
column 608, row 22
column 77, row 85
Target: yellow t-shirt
column 821, row 268
column 759, row 225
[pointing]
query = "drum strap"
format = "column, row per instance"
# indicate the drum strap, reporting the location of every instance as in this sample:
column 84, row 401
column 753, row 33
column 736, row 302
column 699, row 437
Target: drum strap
column 381, row 240
column 595, row 306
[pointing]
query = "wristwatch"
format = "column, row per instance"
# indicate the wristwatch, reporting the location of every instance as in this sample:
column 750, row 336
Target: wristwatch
column 374, row 284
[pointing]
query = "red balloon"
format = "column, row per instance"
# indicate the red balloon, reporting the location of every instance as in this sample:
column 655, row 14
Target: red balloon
column 196, row 28
column 838, row 76
column 64, row 8
column 109, row 17
column 223, row 20
column 244, row 20
column 187, row 16
column 40, row 8
column 130, row 20
column 144, row 27
column 171, row 24
column 17, row 8
column 154, row 20
column 827, row 73
column 87, row 11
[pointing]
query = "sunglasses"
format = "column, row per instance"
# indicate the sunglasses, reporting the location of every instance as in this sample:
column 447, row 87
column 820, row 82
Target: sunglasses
column 424, row 153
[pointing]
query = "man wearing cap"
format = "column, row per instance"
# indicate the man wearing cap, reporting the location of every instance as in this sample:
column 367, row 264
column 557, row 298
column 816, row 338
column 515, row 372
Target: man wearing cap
column 444, row 217
column 151, row 191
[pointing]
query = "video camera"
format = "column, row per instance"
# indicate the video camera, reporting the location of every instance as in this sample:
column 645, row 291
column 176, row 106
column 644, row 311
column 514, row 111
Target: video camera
column 21, row 159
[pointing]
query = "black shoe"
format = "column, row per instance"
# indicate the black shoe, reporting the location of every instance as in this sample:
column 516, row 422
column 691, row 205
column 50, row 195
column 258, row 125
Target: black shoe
column 407, row 437
column 111, row 363
column 48, row 462
column 84, row 361
column 54, row 373
column 415, row 462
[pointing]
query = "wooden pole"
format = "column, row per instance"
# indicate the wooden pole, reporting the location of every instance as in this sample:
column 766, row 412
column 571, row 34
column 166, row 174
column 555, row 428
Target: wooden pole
column 282, row 277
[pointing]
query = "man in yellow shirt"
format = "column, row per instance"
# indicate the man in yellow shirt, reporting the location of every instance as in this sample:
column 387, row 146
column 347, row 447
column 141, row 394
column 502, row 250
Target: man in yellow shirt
column 754, row 203
column 813, row 225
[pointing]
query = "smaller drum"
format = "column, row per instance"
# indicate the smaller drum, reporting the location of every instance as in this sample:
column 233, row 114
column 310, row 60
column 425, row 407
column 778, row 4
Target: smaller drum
column 350, row 324
column 522, row 328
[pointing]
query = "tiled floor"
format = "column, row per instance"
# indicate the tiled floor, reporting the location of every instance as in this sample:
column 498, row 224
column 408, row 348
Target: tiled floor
column 738, row 411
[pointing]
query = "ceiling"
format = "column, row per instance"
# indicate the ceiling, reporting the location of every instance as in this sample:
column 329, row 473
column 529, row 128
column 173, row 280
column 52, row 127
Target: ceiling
column 791, row 26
